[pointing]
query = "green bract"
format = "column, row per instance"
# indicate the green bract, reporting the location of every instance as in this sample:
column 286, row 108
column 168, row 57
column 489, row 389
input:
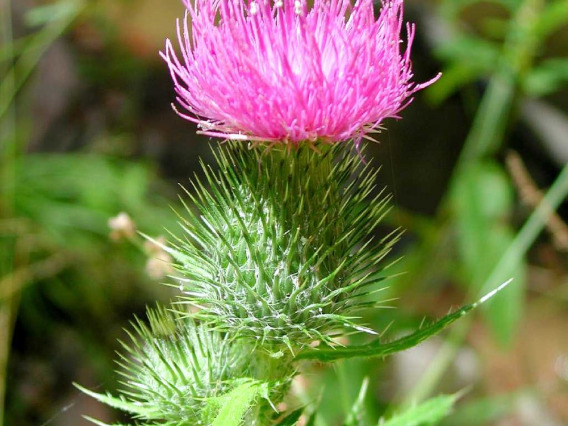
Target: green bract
column 281, row 249
column 172, row 368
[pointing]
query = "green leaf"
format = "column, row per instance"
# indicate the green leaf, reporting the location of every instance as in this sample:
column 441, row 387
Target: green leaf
column 469, row 58
column 378, row 349
column 99, row 423
column 355, row 416
column 426, row 413
column 235, row 404
column 554, row 16
column 547, row 77
column 46, row 14
column 120, row 403
column 484, row 411
column 52, row 191
column 454, row 77
column 474, row 51
column 292, row 418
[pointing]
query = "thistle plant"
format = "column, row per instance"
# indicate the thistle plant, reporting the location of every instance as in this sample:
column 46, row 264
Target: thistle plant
column 279, row 247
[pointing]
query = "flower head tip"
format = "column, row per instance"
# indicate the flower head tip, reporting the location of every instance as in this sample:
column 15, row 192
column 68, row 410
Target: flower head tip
column 281, row 71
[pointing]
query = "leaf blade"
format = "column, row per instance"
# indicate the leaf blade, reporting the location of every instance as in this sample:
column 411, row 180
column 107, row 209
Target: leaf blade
column 378, row 349
column 426, row 413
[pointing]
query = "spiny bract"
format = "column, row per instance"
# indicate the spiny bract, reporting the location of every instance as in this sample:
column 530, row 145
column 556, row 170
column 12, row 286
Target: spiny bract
column 173, row 369
column 280, row 249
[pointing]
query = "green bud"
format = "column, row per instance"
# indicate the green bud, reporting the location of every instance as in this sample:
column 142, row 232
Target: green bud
column 281, row 250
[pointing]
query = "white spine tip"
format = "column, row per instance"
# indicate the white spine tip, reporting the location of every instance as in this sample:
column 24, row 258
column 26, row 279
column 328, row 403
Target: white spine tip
column 253, row 8
column 494, row 292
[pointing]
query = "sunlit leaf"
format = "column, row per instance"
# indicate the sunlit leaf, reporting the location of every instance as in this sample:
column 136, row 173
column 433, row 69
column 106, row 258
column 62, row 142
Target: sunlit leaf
column 236, row 403
column 426, row 413
column 554, row 16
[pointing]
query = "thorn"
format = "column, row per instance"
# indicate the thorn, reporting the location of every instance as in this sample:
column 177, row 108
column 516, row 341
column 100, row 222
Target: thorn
column 493, row 292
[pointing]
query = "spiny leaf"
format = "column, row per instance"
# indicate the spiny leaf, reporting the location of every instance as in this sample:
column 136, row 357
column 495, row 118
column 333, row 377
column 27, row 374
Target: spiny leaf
column 236, row 403
column 120, row 403
column 378, row 349
column 99, row 423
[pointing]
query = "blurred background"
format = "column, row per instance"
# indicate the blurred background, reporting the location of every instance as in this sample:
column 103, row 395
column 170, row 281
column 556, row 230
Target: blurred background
column 476, row 166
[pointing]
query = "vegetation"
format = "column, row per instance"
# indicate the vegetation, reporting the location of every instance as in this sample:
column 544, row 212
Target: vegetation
column 67, row 290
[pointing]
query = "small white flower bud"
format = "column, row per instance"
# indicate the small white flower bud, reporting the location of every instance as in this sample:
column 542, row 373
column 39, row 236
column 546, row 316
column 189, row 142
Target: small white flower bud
column 122, row 226
column 159, row 265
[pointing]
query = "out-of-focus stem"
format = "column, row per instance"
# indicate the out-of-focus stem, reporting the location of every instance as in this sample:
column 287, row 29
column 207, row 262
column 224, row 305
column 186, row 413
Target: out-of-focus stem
column 31, row 54
column 12, row 283
column 8, row 153
column 484, row 139
column 514, row 253
column 492, row 118
column 14, row 72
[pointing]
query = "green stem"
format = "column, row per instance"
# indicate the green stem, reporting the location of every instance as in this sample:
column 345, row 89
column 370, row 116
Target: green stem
column 276, row 370
column 13, row 75
column 32, row 53
column 8, row 154
column 484, row 140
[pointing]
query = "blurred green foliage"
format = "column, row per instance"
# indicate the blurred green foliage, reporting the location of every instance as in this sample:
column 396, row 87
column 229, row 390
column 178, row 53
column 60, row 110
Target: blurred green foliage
column 480, row 196
column 58, row 267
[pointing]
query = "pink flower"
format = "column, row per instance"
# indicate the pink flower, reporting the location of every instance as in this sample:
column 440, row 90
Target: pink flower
column 279, row 71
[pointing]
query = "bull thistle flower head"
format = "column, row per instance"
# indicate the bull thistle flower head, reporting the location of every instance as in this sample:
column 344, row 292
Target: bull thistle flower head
column 281, row 71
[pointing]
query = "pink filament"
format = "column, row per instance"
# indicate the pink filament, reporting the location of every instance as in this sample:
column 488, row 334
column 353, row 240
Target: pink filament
column 278, row 71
